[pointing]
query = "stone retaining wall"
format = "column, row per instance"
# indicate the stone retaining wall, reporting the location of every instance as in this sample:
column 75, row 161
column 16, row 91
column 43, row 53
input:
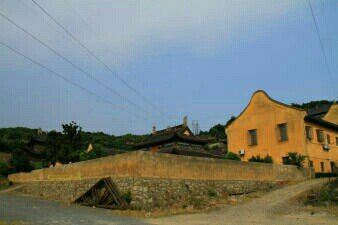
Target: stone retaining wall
column 166, row 166
column 149, row 193
column 159, row 180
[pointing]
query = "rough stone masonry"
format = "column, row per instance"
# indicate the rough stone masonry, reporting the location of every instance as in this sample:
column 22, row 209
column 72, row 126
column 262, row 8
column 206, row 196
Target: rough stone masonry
column 158, row 180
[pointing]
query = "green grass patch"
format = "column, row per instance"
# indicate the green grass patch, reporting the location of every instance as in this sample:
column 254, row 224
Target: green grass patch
column 4, row 183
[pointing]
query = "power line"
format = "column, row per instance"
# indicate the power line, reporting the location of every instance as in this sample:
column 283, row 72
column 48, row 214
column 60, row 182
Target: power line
column 322, row 46
column 71, row 63
column 67, row 80
column 97, row 58
column 75, row 12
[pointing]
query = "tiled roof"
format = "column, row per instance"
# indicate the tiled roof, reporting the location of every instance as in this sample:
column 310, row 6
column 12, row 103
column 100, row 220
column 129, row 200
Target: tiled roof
column 318, row 112
column 170, row 134
column 321, row 122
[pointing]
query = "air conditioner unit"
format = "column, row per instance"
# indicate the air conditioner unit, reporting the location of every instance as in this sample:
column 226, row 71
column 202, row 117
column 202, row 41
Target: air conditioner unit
column 241, row 152
column 326, row 147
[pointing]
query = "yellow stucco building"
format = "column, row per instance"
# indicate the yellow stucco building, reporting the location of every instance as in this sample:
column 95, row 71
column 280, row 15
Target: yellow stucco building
column 268, row 127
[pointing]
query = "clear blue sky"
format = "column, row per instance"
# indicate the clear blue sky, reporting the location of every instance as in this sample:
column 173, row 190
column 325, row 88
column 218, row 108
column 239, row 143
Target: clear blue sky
column 203, row 59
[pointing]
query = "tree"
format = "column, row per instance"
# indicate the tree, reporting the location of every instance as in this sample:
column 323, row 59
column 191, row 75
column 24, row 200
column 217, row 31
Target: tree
column 54, row 145
column 232, row 156
column 4, row 169
column 72, row 135
column 71, row 148
column 294, row 158
column 20, row 162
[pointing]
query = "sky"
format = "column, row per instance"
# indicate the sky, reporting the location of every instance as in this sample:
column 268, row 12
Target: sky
column 201, row 59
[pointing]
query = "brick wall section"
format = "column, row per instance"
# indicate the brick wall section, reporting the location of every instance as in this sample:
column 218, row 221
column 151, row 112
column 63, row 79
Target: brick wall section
column 167, row 166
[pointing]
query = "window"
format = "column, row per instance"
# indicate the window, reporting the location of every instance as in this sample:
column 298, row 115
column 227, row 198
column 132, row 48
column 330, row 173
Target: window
column 309, row 132
column 322, row 166
column 333, row 167
column 283, row 132
column 285, row 160
column 253, row 137
column 311, row 164
column 328, row 139
column 320, row 135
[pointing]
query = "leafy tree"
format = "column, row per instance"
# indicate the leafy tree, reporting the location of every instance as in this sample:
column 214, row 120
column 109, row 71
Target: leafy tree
column 294, row 158
column 72, row 135
column 4, row 169
column 20, row 161
column 266, row 159
column 232, row 156
column 313, row 104
column 54, row 145
column 4, row 146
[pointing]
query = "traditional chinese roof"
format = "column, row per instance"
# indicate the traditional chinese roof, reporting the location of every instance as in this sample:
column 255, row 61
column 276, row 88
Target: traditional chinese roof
column 321, row 122
column 318, row 112
column 172, row 134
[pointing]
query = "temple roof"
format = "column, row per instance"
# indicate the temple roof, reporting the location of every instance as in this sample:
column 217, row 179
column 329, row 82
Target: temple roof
column 172, row 134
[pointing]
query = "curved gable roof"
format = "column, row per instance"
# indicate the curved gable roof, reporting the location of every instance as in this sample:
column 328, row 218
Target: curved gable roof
column 268, row 97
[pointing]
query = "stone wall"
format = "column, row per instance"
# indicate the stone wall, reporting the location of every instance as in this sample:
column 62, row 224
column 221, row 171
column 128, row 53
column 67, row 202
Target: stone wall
column 148, row 193
column 167, row 166
column 158, row 180
column 65, row 191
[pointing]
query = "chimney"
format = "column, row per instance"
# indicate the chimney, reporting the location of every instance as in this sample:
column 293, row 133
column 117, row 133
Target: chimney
column 185, row 121
column 154, row 129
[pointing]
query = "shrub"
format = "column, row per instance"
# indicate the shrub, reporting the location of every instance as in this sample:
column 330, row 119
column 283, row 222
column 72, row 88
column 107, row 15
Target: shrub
column 197, row 203
column 212, row 193
column 4, row 169
column 4, row 183
column 20, row 162
column 266, row 159
column 232, row 156
column 127, row 197
column 294, row 158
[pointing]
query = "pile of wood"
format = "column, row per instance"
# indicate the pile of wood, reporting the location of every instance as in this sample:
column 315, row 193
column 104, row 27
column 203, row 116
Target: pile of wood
column 104, row 194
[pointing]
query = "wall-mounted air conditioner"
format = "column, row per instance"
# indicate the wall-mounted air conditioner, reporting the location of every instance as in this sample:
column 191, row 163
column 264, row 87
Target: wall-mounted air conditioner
column 326, row 147
column 241, row 152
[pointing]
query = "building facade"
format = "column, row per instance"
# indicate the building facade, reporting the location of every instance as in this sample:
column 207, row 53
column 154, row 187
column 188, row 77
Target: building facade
column 268, row 127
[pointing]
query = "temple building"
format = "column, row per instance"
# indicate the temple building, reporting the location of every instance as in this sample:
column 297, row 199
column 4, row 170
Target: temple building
column 178, row 140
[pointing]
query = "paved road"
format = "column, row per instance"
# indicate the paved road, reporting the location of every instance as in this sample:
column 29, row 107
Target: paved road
column 14, row 207
column 260, row 211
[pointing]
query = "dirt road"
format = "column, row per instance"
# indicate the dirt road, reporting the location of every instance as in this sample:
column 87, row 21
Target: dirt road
column 261, row 211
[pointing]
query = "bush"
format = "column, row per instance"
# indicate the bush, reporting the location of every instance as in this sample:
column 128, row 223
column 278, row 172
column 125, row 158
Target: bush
column 4, row 169
column 4, row 183
column 295, row 159
column 212, row 193
column 127, row 197
column 325, row 195
column 20, row 162
column 266, row 159
column 232, row 156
